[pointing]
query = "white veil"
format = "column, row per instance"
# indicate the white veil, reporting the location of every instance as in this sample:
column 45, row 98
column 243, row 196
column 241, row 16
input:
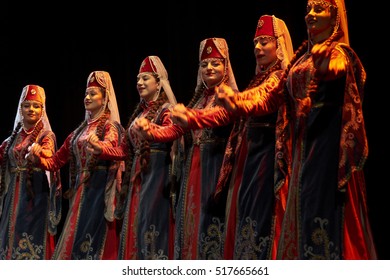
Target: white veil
column 103, row 78
column 41, row 93
column 223, row 49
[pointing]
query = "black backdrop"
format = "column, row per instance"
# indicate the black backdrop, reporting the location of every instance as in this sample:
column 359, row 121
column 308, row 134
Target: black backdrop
column 56, row 45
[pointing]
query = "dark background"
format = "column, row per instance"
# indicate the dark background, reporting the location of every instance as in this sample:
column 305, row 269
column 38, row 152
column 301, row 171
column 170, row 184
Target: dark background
column 57, row 44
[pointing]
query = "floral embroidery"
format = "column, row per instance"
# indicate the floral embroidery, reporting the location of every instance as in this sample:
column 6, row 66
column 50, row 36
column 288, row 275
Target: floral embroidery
column 249, row 246
column 151, row 252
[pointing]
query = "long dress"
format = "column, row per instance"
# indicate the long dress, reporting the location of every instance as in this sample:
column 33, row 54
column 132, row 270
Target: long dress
column 199, row 224
column 249, row 161
column 28, row 221
column 148, row 223
column 90, row 230
column 321, row 151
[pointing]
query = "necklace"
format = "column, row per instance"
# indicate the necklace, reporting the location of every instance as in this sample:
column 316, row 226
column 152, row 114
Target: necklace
column 27, row 131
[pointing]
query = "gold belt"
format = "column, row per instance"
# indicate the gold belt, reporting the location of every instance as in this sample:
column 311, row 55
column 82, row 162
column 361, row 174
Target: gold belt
column 99, row 167
column 199, row 141
column 21, row 169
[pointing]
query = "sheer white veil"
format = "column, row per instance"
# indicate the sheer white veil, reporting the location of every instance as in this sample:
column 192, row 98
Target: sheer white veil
column 159, row 69
column 103, row 78
column 223, row 49
column 41, row 92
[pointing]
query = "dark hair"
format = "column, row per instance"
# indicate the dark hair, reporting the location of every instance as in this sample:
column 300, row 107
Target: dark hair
column 29, row 167
column 144, row 148
column 93, row 161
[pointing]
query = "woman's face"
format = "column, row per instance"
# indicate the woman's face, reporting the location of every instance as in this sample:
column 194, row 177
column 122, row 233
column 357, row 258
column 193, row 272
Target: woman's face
column 213, row 71
column 265, row 51
column 147, row 86
column 320, row 21
column 31, row 112
column 93, row 100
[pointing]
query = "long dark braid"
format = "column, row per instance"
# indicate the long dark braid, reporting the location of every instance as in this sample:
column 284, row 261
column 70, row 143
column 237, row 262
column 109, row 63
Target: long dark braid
column 238, row 126
column 100, row 134
column 72, row 161
column 126, row 179
column 197, row 95
column 144, row 145
column 94, row 158
column 313, row 85
column 282, row 87
column 195, row 98
column 29, row 166
column 5, row 157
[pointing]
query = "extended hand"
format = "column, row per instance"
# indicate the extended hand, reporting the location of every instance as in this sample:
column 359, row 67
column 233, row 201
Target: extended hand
column 225, row 97
column 141, row 127
column 34, row 152
column 93, row 146
column 179, row 115
column 321, row 57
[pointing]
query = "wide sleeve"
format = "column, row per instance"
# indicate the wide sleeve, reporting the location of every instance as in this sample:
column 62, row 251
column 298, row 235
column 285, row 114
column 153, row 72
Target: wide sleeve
column 59, row 159
column 48, row 144
column 49, row 147
column 208, row 118
column 260, row 100
column 110, row 152
column 166, row 132
column 333, row 66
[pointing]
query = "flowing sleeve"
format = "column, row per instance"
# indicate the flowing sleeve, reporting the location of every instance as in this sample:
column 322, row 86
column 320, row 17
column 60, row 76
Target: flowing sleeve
column 59, row 159
column 113, row 137
column 166, row 133
column 49, row 147
column 208, row 118
column 48, row 144
column 353, row 142
column 260, row 100
column 110, row 148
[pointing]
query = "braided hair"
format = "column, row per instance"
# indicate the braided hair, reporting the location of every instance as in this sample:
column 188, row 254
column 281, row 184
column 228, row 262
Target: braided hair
column 313, row 84
column 144, row 147
column 237, row 129
column 94, row 158
column 29, row 166
column 5, row 157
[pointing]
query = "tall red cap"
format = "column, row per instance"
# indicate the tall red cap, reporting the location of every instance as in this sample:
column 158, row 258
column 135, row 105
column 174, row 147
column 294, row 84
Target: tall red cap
column 33, row 93
column 210, row 50
column 265, row 27
column 93, row 81
column 147, row 66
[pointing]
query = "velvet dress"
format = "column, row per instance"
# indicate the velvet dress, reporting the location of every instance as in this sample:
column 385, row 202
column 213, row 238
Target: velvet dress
column 28, row 221
column 148, row 222
column 199, row 225
column 321, row 149
column 248, row 175
column 89, row 231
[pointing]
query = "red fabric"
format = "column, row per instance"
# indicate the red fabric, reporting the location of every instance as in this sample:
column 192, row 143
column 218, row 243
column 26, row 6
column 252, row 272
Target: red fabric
column 111, row 245
column 230, row 229
column 50, row 245
column 192, row 211
column 210, row 50
column 265, row 27
column 147, row 66
column 131, row 248
column 33, row 93
column 358, row 239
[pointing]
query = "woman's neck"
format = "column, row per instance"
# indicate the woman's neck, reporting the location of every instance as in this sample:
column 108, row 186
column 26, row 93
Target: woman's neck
column 320, row 37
